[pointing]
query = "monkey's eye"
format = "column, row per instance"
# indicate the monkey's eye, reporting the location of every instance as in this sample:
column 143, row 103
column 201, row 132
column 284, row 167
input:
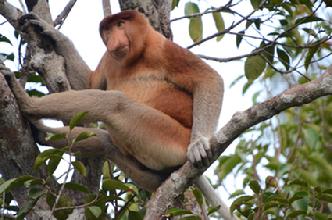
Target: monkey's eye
column 120, row 23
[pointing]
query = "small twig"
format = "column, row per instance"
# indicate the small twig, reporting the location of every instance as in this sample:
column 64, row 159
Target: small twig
column 64, row 14
column 70, row 144
column 4, row 22
column 224, row 60
column 22, row 6
column 78, row 206
column 107, row 8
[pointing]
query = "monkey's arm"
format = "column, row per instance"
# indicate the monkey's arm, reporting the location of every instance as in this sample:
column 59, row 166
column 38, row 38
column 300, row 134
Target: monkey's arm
column 207, row 100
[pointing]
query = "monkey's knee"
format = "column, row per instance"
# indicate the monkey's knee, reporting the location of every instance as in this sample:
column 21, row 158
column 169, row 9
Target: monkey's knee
column 119, row 101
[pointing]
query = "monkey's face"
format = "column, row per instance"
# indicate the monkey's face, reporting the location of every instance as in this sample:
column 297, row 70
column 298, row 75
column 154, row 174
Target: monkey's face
column 117, row 41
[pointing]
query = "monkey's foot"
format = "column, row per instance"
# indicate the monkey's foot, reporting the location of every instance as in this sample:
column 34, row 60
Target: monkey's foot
column 199, row 152
column 7, row 73
column 32, row 20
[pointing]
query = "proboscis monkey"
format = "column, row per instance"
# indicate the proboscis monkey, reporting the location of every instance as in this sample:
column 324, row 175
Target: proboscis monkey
column 162, row 102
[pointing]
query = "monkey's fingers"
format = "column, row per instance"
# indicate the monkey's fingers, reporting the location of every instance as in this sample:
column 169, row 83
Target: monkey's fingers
column 32, row 20
column 7, row 73
column 199, row 152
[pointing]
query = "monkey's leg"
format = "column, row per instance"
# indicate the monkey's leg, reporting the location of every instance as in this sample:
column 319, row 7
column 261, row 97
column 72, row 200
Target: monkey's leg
column 152, row 137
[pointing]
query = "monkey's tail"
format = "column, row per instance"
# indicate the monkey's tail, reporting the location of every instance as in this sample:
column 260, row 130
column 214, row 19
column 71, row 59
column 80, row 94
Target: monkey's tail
column 213, row 198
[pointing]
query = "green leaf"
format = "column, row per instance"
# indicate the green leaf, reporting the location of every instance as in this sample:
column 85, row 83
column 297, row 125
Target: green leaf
column 5, row 39
column 307, row 177
column 254, row 67
column 320, row 216
column 328, row 191
column 6, row 185
column 26, row 181
column 55, row 137
column 76, row 187
column 175, row 3
column 212, row 210
column 228, row 165
column 79, row 166
column 34, row 92
column 25, row 209
column 191, row 8
column 106, row 170
column 236, row 193
column 135, row 215
column 95, row 210
column 198, row 195
column 294, row 214
column 268, row 53
column 239, row 201
column 195, row 23
column 53, row 163
column 311, row 32
column 239, row 38
column 112, row 184
column 310, row 55
column 307, row 19
column 325, row 197
column 283, row 58
column 177, row 211
column 35, row 78
column 64, row 201
column 10, row 57
column 220, row 23
column 84, row 135
column 297, row 196
column 311, row 136
column 196, row 29
column 77, row 119
column 36, row 192
column 254, row 186
column 45, row 155
column 255, row 4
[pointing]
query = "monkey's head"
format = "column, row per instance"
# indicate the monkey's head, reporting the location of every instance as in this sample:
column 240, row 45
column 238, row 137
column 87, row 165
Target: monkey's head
column 124, row 35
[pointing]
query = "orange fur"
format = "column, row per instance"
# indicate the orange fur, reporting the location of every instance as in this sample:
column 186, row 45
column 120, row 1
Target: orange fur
column 161, row 104
column 149, row 69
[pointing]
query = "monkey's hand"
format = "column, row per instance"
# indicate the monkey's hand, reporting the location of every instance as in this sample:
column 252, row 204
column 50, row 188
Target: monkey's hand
column 40, row 26
column 199, row 151
column 7, row 73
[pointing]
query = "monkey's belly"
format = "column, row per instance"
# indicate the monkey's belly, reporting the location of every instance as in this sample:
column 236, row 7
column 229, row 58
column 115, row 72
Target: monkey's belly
column 163, row 97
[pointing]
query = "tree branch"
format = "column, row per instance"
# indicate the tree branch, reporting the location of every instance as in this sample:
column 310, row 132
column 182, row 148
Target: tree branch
column 64, row 14
column 241, row 121
column 107, row 8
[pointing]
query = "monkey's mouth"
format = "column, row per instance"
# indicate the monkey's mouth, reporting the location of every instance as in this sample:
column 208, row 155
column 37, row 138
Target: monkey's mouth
column 120, row 53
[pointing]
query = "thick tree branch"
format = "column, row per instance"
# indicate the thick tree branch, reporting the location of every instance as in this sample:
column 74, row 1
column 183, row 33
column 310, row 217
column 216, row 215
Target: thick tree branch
column 157, row 11
column 107, row 8
column 241, row 121
column 17, row 147
column 11, row 13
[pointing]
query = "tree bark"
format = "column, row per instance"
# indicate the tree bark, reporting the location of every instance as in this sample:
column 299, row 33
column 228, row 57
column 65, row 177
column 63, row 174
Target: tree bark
column 17, row 147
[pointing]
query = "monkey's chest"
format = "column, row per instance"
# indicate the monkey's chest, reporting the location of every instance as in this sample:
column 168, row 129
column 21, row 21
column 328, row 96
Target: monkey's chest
column 162, row 96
